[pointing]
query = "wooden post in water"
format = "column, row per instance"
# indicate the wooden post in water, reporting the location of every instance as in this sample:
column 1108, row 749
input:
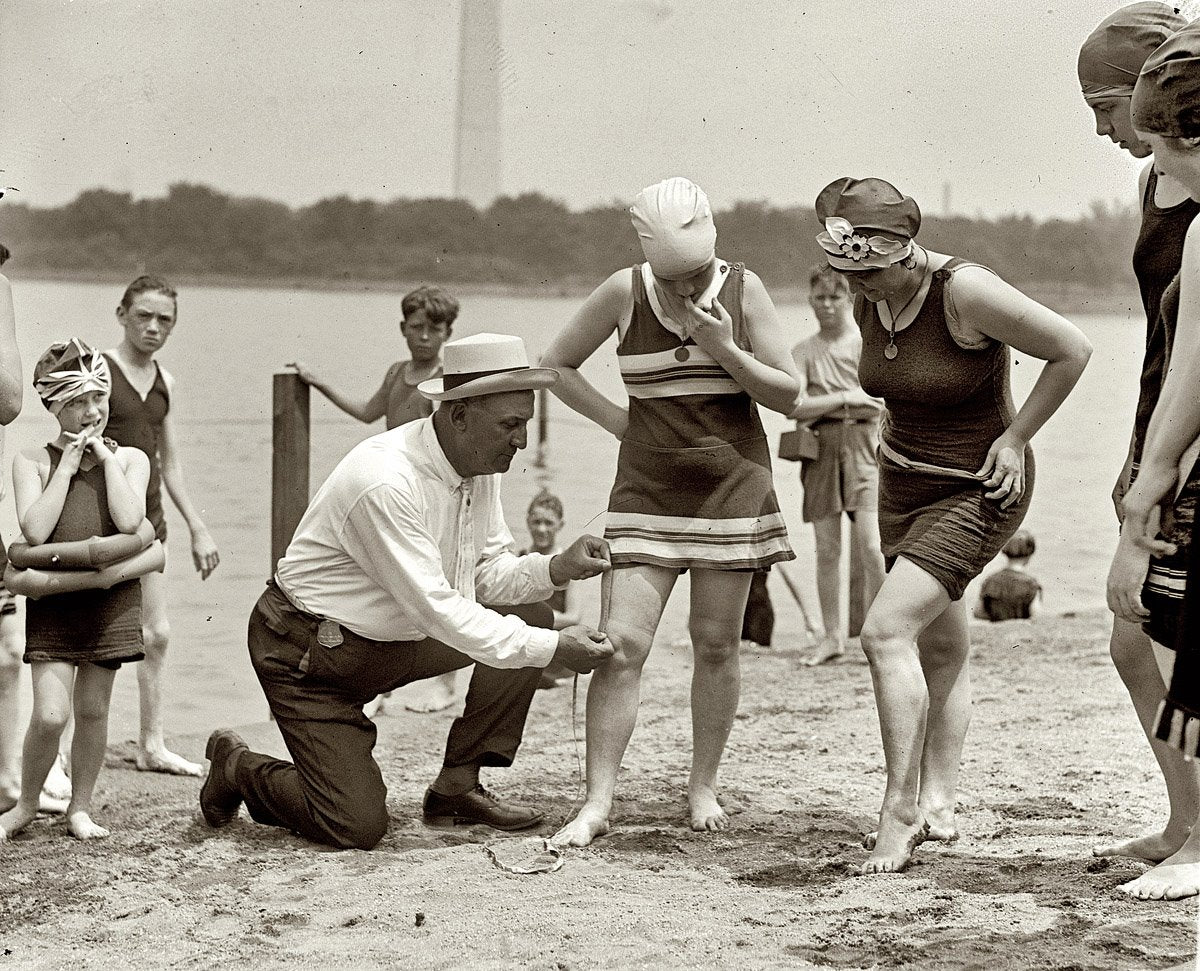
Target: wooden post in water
column 289, row 459
column 543, row 426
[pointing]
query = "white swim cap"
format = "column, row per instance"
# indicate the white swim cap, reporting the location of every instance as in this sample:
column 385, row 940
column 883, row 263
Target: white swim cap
column 675, row 226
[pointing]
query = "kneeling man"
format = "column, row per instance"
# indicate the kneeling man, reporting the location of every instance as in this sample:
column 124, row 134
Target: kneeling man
column 385, row 583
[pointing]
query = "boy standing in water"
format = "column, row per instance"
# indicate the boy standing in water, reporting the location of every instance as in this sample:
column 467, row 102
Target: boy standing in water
column 140, row 416
column 427, row 318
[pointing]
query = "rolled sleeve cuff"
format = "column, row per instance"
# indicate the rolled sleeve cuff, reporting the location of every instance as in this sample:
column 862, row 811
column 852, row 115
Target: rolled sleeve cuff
column 540, row 573
column 541, row 647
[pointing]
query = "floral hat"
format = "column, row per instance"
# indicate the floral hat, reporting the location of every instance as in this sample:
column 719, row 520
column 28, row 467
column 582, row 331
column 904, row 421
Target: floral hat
column 869, row 224
column 68, row 369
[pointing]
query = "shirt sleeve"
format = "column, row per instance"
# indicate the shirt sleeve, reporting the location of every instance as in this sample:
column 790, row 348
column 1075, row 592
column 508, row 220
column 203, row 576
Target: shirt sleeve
column 501, row 576
column 385, row 534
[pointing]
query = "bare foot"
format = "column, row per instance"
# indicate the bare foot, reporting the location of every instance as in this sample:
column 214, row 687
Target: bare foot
column 827, row 649
column 80, row 825
column 435, row 698
column 15, row 820
column 1164, row 882
column 1149, row 849
column 374, row 706
column 933, row 835
column 707, row 814
column 894, row 845
column 58, row 783
column 585, row 827
column 168, row 762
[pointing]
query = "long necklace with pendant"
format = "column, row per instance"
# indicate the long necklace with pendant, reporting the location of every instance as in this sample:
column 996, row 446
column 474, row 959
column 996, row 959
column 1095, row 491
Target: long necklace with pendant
column 681, row 352
column 891, row 350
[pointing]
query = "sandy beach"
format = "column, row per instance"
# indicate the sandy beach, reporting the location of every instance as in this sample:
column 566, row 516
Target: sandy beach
column 1050, row 769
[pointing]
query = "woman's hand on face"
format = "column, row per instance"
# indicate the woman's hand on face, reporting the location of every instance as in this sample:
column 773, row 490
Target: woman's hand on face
column 101, row 451
column 1004, row 470
column 73, row 453
column 1126, row 577
column 711, row 330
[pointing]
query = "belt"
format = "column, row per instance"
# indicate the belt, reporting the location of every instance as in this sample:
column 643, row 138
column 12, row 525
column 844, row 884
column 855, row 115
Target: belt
column 329, row 632
column 843, row 421
column 913, row 465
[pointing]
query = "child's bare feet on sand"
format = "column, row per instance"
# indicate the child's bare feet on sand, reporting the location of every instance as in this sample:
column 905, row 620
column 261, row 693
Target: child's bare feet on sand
column 1153, row 848
column 894, row 844
column 707, row 814
column 826, row 650
column 81, row 826
column 165, row 761
column 434, row 694
column 15, row 820
column 589, row 823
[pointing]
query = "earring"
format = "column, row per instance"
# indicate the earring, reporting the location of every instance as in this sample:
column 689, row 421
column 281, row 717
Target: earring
column 910, row 261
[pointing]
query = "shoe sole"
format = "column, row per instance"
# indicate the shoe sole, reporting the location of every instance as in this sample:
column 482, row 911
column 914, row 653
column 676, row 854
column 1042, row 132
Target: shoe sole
column 452, row 822
column 215, row 821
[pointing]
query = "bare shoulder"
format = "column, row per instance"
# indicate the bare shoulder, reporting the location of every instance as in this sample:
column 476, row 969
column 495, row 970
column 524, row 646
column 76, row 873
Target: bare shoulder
column 36, row 455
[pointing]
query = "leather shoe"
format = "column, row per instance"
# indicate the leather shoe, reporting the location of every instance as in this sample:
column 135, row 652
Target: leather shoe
column 219, row 801
column 477, row 806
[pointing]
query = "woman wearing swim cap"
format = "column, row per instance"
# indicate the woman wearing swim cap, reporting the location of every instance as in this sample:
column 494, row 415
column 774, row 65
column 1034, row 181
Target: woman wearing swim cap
column 1109, row 63
column 955, row 477
column 698, row 345
column 1162, row 503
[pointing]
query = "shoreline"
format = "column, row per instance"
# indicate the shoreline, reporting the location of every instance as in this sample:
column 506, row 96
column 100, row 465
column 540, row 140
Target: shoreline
column 1065, row 298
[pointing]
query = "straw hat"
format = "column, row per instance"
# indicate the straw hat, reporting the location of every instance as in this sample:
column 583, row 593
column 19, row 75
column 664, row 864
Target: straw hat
column 485, row 364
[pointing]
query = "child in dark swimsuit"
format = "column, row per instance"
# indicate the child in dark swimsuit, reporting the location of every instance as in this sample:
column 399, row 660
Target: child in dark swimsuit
column 76, row 487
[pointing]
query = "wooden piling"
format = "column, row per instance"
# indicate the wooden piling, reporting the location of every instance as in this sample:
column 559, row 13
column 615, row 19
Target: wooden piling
column 543, row 427
column 289, row 459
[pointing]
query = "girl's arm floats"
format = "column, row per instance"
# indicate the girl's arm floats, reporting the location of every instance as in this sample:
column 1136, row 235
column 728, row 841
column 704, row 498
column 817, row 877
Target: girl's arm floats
column 994, row 309
column 768, row 374
column 43, row 583
column 86, row 554
column 591, row 326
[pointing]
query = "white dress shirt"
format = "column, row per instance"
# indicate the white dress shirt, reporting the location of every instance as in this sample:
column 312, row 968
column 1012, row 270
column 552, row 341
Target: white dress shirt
column 397, row 546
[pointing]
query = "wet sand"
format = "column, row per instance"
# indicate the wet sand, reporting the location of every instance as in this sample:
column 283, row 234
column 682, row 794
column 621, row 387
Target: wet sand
column 1049, row 771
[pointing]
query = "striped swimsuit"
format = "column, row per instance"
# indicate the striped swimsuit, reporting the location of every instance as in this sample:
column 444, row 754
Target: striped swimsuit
column 693, row 486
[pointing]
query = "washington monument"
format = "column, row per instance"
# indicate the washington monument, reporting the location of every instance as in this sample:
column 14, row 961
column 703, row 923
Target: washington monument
column 477, row 128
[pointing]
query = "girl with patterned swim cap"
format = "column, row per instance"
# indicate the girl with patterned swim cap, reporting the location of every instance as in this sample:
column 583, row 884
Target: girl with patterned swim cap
column 955, row 477
column 1109, row 63
column 699, row 345
column 78, row 486
column 1161, row 507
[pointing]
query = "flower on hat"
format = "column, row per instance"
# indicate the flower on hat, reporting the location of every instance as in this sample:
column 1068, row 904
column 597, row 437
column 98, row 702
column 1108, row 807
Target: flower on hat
column 849, row 249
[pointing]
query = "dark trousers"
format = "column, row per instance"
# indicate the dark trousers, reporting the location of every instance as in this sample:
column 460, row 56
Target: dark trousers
column 332, row 792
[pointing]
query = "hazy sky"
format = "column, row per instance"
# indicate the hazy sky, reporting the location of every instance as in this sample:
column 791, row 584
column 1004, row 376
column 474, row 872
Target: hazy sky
column 753, row 99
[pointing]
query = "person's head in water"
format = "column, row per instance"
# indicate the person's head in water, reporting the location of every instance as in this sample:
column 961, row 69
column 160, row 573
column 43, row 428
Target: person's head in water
column 829, row 297
column 147, row 313
column 1110, row 61
column 1020, row 547
column 544, row 519
column 428, row 318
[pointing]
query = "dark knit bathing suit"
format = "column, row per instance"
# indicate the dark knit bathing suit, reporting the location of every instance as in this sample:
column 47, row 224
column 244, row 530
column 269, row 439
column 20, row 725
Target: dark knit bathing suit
column 137, row 422
column 103, row 627
column 945, row 406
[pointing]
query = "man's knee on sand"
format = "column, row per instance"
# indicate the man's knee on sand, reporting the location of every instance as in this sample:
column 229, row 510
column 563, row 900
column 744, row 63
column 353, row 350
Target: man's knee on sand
column 363, row 832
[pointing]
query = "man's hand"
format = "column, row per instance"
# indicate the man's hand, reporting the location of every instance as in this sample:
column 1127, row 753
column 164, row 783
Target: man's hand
column 582, row 648
column 586, row 557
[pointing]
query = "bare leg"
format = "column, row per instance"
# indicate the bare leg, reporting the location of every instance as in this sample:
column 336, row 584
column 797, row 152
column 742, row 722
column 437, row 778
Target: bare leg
column 10, row 729
column 1136, row 658
column 435, row 694
column 93, row 691
column 906, row 604
column 828, row 534
column 718, row 602
column 52, row 683
column 639, row 594
column 153, row 755
column 864, row 536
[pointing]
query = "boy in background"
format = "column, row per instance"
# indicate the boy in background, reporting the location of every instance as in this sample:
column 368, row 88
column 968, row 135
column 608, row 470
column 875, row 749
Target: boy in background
column 1011, row 593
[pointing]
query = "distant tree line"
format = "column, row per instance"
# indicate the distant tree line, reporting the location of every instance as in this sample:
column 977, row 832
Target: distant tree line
column 527, row 241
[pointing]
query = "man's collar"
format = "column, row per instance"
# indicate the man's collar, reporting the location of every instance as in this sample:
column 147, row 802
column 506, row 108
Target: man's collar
column 437, row 456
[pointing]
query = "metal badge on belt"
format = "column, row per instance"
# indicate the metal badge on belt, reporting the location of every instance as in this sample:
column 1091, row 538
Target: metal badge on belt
column 329, row 634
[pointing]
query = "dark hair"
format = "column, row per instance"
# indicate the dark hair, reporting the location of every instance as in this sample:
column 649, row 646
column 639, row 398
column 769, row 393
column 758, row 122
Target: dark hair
column 546, row 499
column 824, row 273
column 439, row 306
column 1021, row 546
column 4, row 254
column 148, row 284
